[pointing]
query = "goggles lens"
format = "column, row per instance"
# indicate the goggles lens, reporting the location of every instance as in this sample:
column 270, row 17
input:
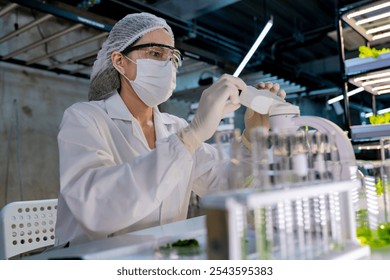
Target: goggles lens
column 157, row 52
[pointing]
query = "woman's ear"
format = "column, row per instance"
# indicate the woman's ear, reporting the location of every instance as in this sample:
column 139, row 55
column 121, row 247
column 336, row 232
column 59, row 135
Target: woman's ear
column 117, row 61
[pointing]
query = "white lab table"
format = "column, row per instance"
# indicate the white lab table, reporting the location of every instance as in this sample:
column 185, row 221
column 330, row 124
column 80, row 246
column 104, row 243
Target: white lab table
column 140, row 244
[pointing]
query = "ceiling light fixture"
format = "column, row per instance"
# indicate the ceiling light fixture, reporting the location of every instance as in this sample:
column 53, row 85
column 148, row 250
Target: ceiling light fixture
column 378, row 29
column 380, row 36
column 368, row 10
column 374, row 18
column 383, row 91
column 381, row 87
column 341, row 97
column 373, row 76
column 254, row 47
column 376, row 81
column 378, row 113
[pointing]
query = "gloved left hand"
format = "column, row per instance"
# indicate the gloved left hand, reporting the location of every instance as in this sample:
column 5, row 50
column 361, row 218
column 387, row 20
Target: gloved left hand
column 216, row 101
column 253, row 119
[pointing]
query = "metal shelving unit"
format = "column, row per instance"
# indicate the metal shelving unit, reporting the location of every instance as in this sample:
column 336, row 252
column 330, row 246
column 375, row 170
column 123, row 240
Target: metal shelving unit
column 371, row 20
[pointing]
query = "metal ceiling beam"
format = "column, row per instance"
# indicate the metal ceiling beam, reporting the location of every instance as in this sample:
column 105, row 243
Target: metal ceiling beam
column 43, row 67
column 25, row 28
column 325, row 92
column 79, row 70
column 62, row 13
column 8, row 8
column 58, row 51
column 42, row 41
column 360, row 107
column 72, row 60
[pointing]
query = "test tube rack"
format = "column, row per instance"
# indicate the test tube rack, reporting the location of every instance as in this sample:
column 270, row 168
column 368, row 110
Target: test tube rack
column 227, row 224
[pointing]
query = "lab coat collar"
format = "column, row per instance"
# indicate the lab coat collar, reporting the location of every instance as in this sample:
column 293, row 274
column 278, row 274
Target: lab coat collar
column 164, row 118
column 116, row 108
column 162, row 124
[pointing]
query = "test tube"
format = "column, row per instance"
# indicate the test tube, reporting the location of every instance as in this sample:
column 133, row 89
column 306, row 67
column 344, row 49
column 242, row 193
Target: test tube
column 299, row 156
column 300, row 228
column 237, row 172
column 261, row 162
column 301, row 175
column 317, row 146
column 283, row 156
column 320, row 204
column 223, row 141
column 263, row 220
column 308, row 228
column 239, row 168
column 282, row 232
column 333, row 167
column 264, row 232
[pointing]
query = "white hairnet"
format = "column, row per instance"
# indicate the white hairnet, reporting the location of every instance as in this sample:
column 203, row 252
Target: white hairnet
column 104, row 77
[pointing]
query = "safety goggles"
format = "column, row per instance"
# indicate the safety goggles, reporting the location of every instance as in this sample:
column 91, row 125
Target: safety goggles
column 157, row 52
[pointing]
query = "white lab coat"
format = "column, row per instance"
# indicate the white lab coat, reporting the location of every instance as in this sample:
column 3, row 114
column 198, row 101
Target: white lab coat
column 112, row 182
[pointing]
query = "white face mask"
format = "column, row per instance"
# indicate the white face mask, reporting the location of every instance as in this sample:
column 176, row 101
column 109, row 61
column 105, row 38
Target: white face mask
column 155, row 80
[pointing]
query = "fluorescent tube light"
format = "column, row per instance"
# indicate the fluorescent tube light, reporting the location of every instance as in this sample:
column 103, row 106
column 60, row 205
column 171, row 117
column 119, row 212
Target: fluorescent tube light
column 372, row 82
column 254, row 47
column 341, row 97
column 381, row 87
column 370, row 19
column 380, row 36
column 368, row 10
column 384, row 111
column 369, row 115
column 383, row 91
column 378, row 29
column 379, row 112
column 373, row 76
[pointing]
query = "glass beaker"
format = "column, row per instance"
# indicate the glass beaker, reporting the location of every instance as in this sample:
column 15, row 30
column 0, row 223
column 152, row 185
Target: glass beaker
column 237, row 160
column 261, row 171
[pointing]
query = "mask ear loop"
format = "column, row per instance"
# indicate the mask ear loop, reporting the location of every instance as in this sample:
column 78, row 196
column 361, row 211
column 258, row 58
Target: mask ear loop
column 120, row 72
column 123, row 74
column 117, row 69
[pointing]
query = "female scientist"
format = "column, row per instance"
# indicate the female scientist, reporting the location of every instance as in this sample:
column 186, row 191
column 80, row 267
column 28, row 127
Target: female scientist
column 124, row 165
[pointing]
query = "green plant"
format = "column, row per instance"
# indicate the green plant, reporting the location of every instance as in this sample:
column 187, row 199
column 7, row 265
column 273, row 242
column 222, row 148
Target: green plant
column 380, row 119
column 371, row 52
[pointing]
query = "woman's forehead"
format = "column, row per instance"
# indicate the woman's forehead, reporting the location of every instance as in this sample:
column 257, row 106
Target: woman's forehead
column 160, row 36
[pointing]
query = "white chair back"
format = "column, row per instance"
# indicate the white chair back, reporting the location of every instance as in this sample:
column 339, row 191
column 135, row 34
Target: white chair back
column 27, row 226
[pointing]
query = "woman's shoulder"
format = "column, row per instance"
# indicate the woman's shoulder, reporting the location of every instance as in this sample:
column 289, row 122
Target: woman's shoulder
column 86, row 105
column 86, row 110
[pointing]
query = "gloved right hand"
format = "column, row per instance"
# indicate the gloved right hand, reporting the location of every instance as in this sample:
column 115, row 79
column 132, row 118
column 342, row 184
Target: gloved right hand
column 216, row 101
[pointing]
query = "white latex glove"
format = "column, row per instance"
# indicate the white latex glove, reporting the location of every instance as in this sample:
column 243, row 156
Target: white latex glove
column 216, row 101
column 253, row 119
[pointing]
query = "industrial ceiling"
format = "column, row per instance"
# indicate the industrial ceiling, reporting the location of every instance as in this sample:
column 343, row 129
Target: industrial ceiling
column 301, row 49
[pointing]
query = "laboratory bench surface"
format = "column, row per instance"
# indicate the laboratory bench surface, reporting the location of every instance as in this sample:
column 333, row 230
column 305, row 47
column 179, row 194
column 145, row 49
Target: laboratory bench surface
column 144, row 244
